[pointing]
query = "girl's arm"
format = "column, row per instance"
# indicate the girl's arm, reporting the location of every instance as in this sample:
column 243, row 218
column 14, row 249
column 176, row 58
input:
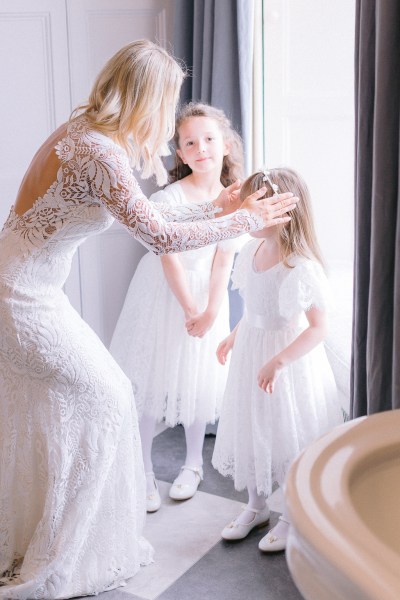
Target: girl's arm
column 198, row 325
column 304, row 343
column 176, row 278
column 226, row 345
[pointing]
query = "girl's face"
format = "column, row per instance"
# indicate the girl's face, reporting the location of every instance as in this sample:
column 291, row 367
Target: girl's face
column 201, row 145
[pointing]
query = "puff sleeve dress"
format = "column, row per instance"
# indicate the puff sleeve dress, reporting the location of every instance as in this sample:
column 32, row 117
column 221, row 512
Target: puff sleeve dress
column 260, row 434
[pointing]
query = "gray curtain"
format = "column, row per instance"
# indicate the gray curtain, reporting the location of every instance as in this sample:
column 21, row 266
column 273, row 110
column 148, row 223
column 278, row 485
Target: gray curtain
column 375, row 379
column 206, row 38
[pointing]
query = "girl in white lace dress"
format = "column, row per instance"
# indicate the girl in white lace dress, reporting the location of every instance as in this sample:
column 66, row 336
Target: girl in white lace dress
column 72, row 483
column 280, row 393
column 176, row 309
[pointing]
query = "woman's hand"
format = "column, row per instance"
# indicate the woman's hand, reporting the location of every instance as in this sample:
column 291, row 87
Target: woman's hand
column 229, row 199
column 268, row 374
column 270, row 209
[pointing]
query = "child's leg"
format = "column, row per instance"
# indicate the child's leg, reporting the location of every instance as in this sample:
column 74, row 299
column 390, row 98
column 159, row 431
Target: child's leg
column 254, row 514
column 256, row 501
column 147, row 428
column 275, row 540
column 186, row 484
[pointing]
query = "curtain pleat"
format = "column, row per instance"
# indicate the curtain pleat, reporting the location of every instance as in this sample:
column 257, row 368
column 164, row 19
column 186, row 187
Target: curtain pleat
column 375, row 382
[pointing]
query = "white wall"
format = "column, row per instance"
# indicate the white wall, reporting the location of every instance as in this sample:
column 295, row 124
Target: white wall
column 50, row 53
column 309, row 82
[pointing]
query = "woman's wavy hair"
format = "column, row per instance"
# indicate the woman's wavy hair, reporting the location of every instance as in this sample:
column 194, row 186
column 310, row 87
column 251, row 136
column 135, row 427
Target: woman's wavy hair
column 232, row 165
column 133, row 100
column 298, row 235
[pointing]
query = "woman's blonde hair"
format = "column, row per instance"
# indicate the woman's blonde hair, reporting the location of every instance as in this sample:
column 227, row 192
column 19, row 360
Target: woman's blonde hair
column 232, row 165
column 297, row 236
column 133, row 100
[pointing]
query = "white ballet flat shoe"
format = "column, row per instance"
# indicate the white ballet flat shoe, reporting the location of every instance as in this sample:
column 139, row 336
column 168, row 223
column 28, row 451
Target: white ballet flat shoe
column 238, row 531
column 184, row 491
column 153, row 500
column 271, row 542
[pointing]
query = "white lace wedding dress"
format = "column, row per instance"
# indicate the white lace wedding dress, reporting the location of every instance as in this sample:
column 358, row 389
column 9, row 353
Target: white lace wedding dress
column 72, row 486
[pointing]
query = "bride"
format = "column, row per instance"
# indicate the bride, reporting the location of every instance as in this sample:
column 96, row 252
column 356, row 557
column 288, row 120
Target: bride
column 72, row 484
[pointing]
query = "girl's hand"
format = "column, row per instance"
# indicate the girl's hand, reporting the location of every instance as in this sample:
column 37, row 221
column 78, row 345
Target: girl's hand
column 229, row 199
column 190, row 312
column 198, row 325
column 267, row 376
column 224, row 348
column 270, row 209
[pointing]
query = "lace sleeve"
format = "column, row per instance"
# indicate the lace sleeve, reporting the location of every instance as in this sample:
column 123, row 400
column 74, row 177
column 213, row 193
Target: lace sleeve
column 305, row 287
column 181, row 212
column 187, row 212
column 95, row 167
column 242, row 264
column 113, row 185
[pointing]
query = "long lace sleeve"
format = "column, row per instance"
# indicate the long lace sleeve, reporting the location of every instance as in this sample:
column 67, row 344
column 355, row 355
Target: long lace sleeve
column 99, row 169
column 182, row 211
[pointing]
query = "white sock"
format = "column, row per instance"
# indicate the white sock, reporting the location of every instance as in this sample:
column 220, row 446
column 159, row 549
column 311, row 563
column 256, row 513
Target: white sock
column 147, row 428
column 194, row 435
column 256, row 501
column 282, row 527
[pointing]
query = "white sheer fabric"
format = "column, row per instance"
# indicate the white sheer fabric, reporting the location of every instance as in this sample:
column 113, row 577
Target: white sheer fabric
column 259, row 434
column 174, row 376
column 72, row 485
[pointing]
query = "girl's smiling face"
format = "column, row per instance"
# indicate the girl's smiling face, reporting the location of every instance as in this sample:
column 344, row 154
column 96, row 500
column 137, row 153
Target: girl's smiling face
column 201, row 145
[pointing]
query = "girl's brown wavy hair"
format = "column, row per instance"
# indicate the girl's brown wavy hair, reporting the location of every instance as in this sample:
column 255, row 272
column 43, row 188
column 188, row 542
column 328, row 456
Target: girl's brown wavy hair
column 232, row 166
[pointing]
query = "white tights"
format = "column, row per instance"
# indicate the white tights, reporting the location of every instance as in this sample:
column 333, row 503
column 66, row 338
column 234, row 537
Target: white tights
column 258, row 502
column 194, row 435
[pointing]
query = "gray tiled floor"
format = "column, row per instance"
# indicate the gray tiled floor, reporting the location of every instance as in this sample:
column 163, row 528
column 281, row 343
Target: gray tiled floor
column 226, row 571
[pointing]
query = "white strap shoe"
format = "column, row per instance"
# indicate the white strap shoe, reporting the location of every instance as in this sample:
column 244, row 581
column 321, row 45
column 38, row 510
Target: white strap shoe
column 153, row 500
column 272, row 542
column 184, row 491
column 238, row 531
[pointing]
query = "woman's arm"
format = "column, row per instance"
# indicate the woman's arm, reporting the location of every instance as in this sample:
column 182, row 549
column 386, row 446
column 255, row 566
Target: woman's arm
column 108, row 175
column 176, row 278
column 304, row 343
column 198, row 325
column 227, row 202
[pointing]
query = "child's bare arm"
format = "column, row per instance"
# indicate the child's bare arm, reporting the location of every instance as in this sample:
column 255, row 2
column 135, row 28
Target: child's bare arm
column 220, row 273
column 177, row 280
column 304, row 343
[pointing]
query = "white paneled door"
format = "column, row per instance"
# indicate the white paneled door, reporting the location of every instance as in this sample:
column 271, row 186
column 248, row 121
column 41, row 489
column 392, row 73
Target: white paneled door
column 35, row 91
column 309, row 107
column 96, row 30
column 50, row 53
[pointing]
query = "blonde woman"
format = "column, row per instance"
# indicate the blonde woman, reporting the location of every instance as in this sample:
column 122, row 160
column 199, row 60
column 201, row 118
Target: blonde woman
column 72, row 483
column 280, row 393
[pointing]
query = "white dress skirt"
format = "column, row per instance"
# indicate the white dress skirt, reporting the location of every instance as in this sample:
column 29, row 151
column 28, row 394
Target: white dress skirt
column 259, row 434
column 175, row 377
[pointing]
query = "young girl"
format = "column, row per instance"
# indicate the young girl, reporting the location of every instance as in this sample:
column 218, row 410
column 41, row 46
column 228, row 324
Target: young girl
column 280, row 392
column 176, row 309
